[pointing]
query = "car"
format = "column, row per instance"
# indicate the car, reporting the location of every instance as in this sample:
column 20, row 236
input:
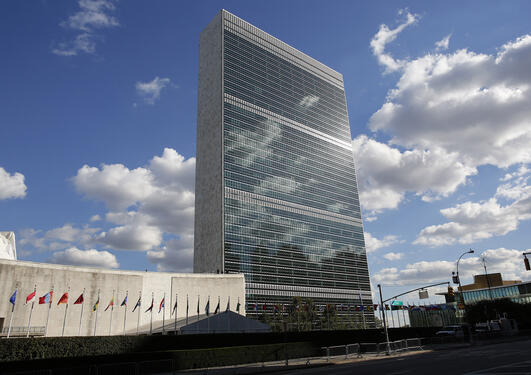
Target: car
column 454, row 331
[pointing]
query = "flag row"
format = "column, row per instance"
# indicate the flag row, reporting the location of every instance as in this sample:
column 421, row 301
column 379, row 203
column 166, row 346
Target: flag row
column 47, row 299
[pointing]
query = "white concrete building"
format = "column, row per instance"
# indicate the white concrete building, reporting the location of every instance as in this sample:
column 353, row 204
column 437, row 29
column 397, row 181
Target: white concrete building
column 24, row 276
column 8, row 250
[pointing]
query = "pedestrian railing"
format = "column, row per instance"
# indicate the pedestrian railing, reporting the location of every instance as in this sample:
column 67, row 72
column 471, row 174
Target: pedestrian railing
column 347, row 351
column 399, row 346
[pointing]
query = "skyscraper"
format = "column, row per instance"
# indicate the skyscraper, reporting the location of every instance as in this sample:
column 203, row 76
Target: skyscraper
column 276, row 191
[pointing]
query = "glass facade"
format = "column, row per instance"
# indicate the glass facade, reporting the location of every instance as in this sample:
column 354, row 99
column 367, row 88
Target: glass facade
column 291, row 213
column 520, row 293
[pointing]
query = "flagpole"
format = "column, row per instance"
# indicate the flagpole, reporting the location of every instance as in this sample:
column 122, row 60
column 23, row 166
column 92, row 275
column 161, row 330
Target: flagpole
column 96, row 320
column 31, row 311
column 198, row 304
column 187, row 306
column 125, row 311
column 163, row 312
column 112, row 309
column 175, row 317
column 48, row 316
column 228, row 315
column 66, row 309
column 362, row 312
column 139, row 308
column 81, row 314
column 208, row 315
column 12, row 312
column 151, row 321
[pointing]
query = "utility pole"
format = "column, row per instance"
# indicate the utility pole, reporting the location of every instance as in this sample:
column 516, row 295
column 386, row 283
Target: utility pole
column 387, row 348
column 487, row 276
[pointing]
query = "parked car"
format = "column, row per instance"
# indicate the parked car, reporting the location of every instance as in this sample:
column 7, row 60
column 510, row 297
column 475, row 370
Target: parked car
column 453, row 331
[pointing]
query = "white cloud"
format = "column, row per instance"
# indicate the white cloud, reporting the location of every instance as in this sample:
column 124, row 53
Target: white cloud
column 11, row 185
column 144, row 203
column 56, row 238
column 149, row 208
column 85, row 43
column 150, row 91
column 443, row 44
column 385, row 36
column 132, row 237
column 473, row 221
column 385, row 173
column 472, row 104
column 176, row 255
column 114, row 184
column 93, row 15
column 372, row 243
column 508, row 262
column 89, row 258
column 393, row 256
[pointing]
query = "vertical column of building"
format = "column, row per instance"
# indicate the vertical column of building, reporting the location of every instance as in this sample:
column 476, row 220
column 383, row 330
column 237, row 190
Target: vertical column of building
column 208, row 230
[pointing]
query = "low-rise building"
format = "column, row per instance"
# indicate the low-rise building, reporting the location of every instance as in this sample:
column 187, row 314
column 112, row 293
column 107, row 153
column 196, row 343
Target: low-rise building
column 96, row 315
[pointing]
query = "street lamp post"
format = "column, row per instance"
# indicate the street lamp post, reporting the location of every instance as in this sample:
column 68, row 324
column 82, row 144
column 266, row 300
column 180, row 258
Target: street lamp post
column 388, row 349
column 459, row 279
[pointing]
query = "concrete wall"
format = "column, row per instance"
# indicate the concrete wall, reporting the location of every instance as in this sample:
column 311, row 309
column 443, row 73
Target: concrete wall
column 25, row 275
column 208, row 236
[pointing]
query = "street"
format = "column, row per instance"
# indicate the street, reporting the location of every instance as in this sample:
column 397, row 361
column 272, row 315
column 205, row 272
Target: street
column 506, row 358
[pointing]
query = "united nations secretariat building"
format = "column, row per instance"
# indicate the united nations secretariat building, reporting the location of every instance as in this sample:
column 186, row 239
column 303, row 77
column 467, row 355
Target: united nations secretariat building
column 276, row 190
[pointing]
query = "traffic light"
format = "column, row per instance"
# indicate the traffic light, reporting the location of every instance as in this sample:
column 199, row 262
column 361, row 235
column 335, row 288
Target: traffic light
column 450, row 291
column 526, row 262
column 455, row 279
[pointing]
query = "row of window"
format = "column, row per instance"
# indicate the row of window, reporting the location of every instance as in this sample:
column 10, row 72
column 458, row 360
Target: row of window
column 254, row 210
column 269, row 60
column 304, row 106
column 265, row 131
column 271, row 127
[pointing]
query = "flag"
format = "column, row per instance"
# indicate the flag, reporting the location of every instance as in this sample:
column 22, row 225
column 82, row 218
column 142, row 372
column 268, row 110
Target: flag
column 79, row 300
column 207, row 308
column 198, row 305
column 228, row 305
column 217, row 308
column 174, row 307
column 95, row 307
column 30, row 297
column 187, row 306
column 124, row 303
column 111, row 304
column 161, row 305
column 13, row 298
column 47, row 298
column 238, row 306
column 150, row 308
column 137, row 304
column 63, row 299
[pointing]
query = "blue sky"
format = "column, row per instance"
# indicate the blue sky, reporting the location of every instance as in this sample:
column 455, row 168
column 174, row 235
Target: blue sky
column 99, row 108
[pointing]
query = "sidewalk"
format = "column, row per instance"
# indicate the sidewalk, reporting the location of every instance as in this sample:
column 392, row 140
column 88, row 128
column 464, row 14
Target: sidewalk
column 293, row 364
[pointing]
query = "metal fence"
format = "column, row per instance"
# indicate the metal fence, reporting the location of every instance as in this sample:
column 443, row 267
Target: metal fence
column 349, row 351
